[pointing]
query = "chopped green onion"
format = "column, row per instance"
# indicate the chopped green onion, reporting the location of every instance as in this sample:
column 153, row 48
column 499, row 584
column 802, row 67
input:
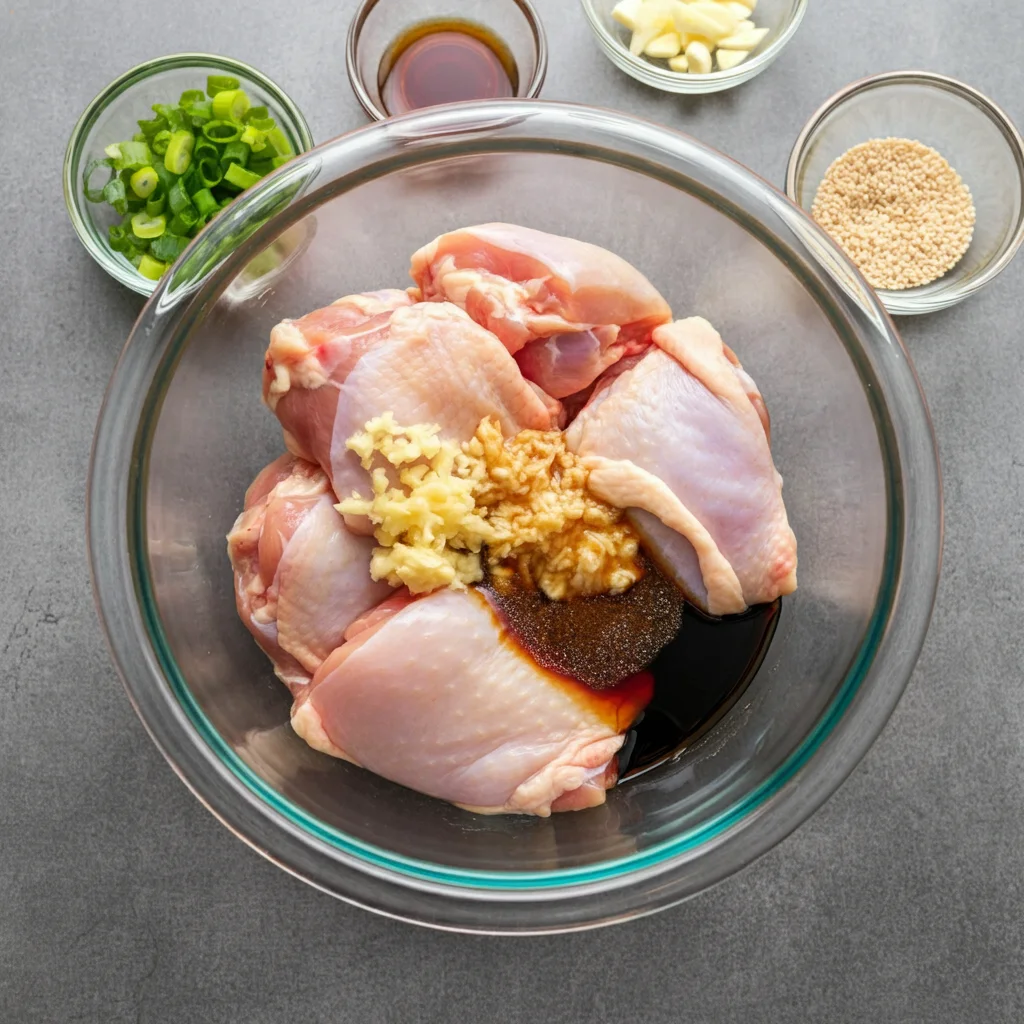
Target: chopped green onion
column 149, row 227
column 254, row 139
column 94, row 195
column 129, row 155
column 151, row 268
column 235, row 153
column 205, row 149
column 114, row 193
column 116, row 237
column 209, row 172
column 144, row 182
column 204, row 202
column 239, row 176
column 151, row 128
column 177, row 197
column 280, row 161
column 220, row 83
column 179, row 152
column 160, row 141
column 200, row 113
column 137, row 243
column 168, row 247
column 166, row 178
column 279, row 141
column 222, row 132
column 191, row 179
column 175, row 116
column 184, row 165
column 261, row 167
column 183, row 223
column 231, row 105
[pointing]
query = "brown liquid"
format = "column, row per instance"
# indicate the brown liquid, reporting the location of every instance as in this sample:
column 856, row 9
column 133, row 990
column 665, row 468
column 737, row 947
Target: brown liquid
column 631, row 628
column 697, row 679
column 701, row 665
column 446, row 60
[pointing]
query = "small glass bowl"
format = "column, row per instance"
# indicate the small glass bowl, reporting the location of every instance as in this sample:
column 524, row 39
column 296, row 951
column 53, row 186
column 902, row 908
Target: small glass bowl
column 112, row 116
column 968, row 129
column 378, row 23
column 781, row 17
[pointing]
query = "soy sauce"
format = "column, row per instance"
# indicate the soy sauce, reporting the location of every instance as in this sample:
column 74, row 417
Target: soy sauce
column 698, row 677
column 446, row 60
column 701, row 665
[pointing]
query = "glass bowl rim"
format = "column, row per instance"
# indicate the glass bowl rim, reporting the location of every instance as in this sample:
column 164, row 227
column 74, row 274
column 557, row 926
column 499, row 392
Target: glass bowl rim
column 693, row 84
column 319, row 854
column 899, row 303
column 116, row 268
column 355, row 30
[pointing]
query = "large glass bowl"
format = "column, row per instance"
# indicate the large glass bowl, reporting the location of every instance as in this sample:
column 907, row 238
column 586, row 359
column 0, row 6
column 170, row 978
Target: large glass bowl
column 183, row 432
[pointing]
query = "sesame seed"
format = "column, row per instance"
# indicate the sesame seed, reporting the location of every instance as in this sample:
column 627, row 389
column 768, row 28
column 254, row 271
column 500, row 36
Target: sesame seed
column 898, row 209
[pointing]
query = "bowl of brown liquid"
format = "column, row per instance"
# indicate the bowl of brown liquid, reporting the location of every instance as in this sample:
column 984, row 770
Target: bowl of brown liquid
column 404, row 55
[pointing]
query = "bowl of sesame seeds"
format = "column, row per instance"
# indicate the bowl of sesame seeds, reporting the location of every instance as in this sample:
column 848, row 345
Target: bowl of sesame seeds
column 920, row 179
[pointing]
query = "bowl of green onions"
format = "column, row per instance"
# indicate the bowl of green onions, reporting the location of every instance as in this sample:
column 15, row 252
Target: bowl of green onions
column 163, row 149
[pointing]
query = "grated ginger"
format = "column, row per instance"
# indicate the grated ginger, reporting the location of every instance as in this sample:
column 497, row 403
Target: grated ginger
column 521, row 503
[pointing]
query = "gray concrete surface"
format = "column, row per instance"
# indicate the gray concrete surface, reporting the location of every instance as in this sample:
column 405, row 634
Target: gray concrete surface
column 121, row 899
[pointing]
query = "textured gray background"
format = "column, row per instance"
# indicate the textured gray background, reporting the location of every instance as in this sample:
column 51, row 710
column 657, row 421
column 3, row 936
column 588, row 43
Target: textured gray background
column 121, row 899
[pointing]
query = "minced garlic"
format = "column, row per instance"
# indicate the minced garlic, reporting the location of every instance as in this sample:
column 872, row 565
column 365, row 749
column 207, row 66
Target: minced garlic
column 524, row 500
column 428, row 532
column 544, row 522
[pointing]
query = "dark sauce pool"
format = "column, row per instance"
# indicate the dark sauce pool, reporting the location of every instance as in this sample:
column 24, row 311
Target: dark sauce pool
column 698, row 677
column 701, row 665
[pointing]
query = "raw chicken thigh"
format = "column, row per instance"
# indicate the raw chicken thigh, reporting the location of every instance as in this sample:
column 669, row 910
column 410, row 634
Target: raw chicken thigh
column 566, row 309
column 328, row 373
column 433, row 693
column 309, row 359
column 301, row 578
column 680, row 435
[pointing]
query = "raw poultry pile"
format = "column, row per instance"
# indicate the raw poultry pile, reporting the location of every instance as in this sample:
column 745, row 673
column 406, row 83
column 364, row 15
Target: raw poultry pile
column 567, row 359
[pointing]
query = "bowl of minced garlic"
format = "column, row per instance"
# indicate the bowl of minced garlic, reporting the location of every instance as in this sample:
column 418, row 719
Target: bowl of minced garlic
column 919, row 179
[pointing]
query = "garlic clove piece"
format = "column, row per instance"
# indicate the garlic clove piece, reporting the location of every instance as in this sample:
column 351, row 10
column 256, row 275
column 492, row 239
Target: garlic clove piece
column 740, row 10
column 698, row 57
column 625, row 13
column 693, row 19
column 653, row 19
column 728, row 59
column 664, row 47
column 724, row 20
column 747, row 40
